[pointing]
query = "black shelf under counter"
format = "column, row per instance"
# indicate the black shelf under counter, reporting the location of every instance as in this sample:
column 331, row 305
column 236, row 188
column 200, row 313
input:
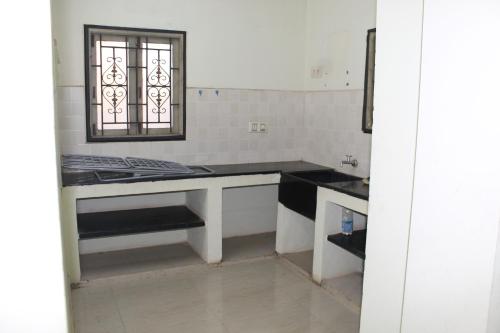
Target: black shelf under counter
column 136, row 221
column 355, row 243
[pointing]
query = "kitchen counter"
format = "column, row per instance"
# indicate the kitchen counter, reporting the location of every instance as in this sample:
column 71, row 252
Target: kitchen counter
column 204, row 195
column 84, row 177
column 356, row 188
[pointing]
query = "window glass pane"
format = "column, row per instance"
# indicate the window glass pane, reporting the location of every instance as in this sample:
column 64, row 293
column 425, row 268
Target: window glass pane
column 157, row 85
column 112, row 85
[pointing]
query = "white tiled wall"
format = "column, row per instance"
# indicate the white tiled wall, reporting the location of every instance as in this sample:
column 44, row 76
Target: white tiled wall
column 333, row 129
column 319, row 127
column 217, row 128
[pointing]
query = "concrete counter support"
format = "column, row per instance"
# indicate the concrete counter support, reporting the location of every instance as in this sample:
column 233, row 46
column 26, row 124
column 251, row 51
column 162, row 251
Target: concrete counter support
column 204, row 196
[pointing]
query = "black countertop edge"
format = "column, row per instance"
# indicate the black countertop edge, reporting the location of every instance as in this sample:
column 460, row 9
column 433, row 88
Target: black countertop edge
column 350, row 190
column 81, row 178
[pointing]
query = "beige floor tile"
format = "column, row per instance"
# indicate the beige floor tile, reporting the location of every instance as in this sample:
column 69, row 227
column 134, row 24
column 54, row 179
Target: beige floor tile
column 349, row 287
column 195, row 318
column 278, row 318
column 331, row 313
column 220, row 285
column 263, row 295
column 95, row 311
column 245, row 247
column 304, row 260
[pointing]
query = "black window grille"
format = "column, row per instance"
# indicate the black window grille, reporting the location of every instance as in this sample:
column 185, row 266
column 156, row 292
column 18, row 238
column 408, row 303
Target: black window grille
column 135, row 84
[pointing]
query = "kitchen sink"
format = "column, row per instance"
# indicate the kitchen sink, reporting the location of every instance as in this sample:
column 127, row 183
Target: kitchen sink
column 297, row 190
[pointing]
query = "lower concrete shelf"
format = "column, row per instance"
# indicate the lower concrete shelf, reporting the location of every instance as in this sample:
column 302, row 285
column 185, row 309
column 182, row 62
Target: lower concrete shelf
column 135, row 221
column 355, row 243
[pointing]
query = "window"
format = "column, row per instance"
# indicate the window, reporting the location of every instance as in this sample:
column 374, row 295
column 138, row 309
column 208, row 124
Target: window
column 135, row 84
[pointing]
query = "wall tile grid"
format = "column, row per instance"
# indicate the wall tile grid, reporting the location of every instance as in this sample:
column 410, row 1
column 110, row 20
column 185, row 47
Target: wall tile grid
column 318, row 127
column 333, row 130
column 213, row 123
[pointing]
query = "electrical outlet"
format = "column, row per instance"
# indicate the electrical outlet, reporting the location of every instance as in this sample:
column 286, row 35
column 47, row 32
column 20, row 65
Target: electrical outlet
column 262, row 127
column 253, row 127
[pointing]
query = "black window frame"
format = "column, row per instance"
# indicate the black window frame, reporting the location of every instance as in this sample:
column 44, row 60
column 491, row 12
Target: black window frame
column 88, row 109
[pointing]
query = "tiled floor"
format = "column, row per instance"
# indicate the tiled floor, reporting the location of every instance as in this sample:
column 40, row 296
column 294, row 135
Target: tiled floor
column 304, row 260
column 246, row 247
column 347, row 288
column 108, row 264
column 259, row 295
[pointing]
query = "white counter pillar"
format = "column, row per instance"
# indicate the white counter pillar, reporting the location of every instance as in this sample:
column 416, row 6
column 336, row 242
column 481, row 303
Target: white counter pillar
column 70, row 236
column 207, row 241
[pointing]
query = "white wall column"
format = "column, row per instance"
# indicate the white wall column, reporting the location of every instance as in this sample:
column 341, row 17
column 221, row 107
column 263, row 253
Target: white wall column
column 456, row 197
column 434, row 214
column 494, row 318
column 397, row 79
column 32, row 285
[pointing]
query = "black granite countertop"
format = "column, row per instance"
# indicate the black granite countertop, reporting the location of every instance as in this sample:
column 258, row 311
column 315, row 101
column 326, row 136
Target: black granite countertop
column 80, row 177
column 356, row 188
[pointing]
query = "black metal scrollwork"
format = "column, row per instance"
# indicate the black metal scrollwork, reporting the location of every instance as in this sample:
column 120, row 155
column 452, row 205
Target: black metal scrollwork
column 114, row 85
column 158, row 86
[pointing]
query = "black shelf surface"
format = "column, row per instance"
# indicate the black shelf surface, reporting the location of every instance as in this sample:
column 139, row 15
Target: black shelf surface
column 354, row 243
column 136, row 221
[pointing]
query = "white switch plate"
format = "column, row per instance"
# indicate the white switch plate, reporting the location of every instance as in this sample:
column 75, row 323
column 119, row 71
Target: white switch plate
column 316, row 72
column 257, row 127
column 253, row 127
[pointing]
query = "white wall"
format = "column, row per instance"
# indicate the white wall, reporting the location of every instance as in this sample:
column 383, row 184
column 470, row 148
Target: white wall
column 268, row 39
column 130, row 202
column 127, row 242
column 230, row 43
column 32, row 285
column 392, row 162
column 249, row 210
column 456, row 199
column 268, row 44
column 295, row 232
column 336, row 42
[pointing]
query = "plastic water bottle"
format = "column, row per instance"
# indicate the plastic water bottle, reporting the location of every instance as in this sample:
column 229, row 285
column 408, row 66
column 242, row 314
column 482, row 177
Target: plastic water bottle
column 347, row 221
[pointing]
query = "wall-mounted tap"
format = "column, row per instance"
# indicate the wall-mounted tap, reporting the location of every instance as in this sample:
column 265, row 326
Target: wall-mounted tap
column 353, row 162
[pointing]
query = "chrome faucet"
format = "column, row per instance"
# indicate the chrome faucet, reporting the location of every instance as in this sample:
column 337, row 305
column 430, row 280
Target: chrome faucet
column 348, row 160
